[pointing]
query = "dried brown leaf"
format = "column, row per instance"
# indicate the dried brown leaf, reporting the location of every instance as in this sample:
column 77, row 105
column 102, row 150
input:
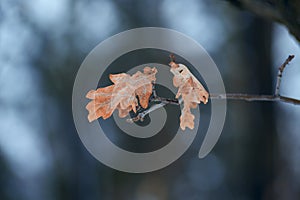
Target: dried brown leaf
column 121, row 95
column 191, row 91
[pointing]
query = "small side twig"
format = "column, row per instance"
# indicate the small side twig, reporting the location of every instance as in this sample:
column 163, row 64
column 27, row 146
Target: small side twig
column 275, row 97
column 280, row 71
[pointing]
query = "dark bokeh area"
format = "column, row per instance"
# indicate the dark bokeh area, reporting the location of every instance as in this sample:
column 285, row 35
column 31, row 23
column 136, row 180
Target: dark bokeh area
column 42, row 45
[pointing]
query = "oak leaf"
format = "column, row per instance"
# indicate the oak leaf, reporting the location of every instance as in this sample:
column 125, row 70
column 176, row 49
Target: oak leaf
column 191, row 91
column 122, row 95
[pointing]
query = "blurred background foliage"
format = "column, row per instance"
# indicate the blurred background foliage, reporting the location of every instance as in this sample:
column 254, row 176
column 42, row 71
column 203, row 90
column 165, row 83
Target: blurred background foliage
column 42, row 44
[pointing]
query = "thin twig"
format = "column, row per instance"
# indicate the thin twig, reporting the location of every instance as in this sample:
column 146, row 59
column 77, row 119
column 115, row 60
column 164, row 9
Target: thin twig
column 167, row 101
column 142, row 115
column 249, row 97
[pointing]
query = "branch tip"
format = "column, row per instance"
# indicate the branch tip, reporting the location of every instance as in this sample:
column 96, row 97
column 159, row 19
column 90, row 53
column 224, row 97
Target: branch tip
column 280, row 71
column 172, row 57
column 286, row 62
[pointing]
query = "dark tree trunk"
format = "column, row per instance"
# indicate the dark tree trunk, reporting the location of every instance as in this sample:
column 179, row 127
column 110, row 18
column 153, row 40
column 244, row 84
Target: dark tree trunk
column 286, row 12
column 253, row 151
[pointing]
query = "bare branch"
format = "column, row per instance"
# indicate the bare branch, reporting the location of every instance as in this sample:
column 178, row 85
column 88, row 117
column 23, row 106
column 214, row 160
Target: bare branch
column 248, row 97
column 229, row 96
column 276, row 97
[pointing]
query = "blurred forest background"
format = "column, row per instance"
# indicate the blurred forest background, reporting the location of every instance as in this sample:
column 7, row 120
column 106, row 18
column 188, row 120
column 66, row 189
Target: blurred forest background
column 42, row 44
